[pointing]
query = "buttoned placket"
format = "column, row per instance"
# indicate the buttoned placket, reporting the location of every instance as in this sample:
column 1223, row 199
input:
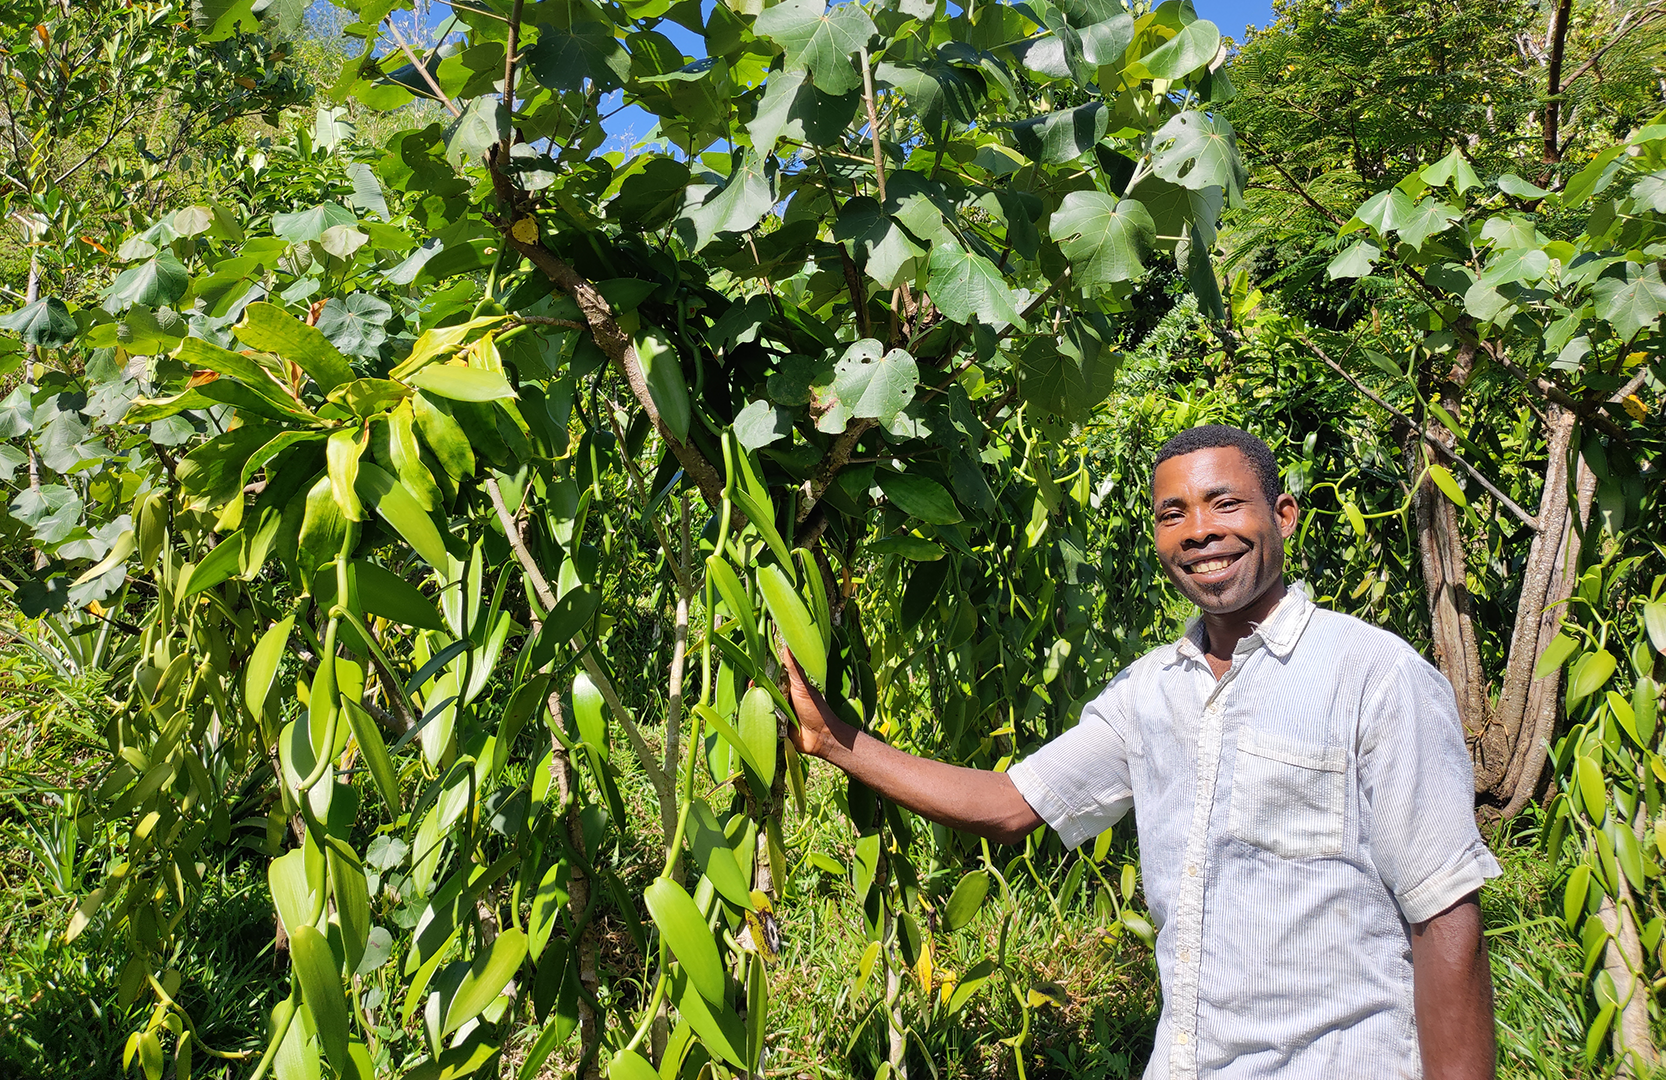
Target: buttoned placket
column 1188, row 909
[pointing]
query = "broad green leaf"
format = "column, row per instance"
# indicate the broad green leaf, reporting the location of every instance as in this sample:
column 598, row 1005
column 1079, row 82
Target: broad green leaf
column 462, row 383
column 384, row 593
column 761, row 423
column 866, row 863
column 883, row 248
column 444, row 436
column 1387, row 211
column 1634, row 305
column 1589, row 674
column 305, row 225
column 1428, row 218
column 357, row 325
column 1105, row 240
column 400, row 509
column 1052, row 380
column 757, row 1008
column 967, row 897
column 566, row 57
column 966, row 287
column 1194, row 46
column 735, row 596
column 321, row 992
column 937, row 93
column 1592, row 178
column 1355, row 518
column 46, row 323
column 797, row 627
column 758, row 731
column 488, row 974
column 406, row 456
column 819, row 40
column 1199, row 151
column 352, row 904
column 869, row 383
column 967, row 986
column 296, row 901
column 1057, row 137
column 918, row 496
column 439, row 342
column 1573, row 896
column 269, row 328
column 736, row 206
column 374, row 751
column 1453, row 168
column 1355, row 262
column 157, row 282
column 685, row 931
column 484, row 123
column 1629, row 854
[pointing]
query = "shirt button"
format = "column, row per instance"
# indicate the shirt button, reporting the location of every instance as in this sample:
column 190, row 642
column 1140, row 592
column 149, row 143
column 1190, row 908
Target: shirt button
column 1185, row 955
column 1181, row 1038
column 1192, row 871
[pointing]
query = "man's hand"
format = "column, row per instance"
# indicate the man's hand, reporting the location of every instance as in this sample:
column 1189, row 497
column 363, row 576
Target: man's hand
column 810, row 732
column 1452, row 994
column 971, row 800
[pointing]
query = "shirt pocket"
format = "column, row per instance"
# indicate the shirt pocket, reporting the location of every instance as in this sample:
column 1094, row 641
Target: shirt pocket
column 1288, row 797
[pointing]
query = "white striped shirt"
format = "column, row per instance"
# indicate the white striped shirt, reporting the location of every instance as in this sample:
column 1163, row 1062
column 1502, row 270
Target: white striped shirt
column 1336, row 808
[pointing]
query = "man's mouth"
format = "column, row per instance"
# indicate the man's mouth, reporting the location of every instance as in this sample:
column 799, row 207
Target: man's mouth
column 1204, row 567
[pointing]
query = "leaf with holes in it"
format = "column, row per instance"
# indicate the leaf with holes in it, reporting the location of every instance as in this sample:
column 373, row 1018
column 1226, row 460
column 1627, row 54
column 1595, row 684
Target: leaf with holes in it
column 1106, row 240
column 690, row 940
column 488, row 974
column 46, row 323
column 1199, row 151
column 869, row 383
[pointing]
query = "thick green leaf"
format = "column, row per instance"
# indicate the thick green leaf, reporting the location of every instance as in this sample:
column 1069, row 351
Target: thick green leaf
column 488, row 974
column 1555, row 655
column 736, row 206
column 297, row 902
column 798, row 628
column 1634, row 305
column 662, row 370
column 966, row 287
column 1589, row 674
column 341, row 457
column 304, row 225
column 911, row 547
column 713, row 854
column 442, row 341
column 216, row 566
column 375, row 753
column 720, row 1030
column 547, row 902
column 1105, row 240
column 566, row 57
column 867, row 863
column 352, row 904
column 1448, row 484
column 269, row 328
column 819, row 40
column 1654, row 621
column 46, row 323
column 757, row 730
column 399, row 508
column 685, row 931
column 737, row 599
column 589, row 712
column 462, row 383
column 918, row 496
column 384, row 593
column 630, row 1065
column 966, row 899
column 321, row 992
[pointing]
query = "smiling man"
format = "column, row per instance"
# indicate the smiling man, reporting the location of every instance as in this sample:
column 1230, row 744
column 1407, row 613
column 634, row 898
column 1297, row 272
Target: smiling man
column 1304, row 805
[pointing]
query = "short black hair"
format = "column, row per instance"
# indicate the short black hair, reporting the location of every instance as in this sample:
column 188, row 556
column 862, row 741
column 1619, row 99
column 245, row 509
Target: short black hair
column 1211, row 436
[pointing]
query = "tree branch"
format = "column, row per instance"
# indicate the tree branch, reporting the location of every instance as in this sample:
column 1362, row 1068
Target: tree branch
column 1526, row 519
column 509, row 58
column 422, row 68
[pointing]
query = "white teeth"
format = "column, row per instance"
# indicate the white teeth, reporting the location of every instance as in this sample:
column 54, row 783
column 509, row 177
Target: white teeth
column 1210, row 566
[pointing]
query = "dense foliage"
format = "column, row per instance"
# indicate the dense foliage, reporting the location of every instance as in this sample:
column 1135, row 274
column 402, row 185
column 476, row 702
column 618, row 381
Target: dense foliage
column 412, row 523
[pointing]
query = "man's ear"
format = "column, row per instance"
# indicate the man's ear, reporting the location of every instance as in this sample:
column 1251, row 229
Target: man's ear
column 1288, row 513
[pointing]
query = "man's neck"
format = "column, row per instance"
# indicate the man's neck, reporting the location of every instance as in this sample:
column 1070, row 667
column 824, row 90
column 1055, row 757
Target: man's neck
column 1222, row 632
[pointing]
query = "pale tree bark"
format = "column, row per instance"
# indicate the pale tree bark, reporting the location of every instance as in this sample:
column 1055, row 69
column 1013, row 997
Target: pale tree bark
column 1530, row 704
column 1631, row 1039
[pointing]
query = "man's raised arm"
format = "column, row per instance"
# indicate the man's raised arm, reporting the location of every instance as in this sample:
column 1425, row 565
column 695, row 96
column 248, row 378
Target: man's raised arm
column 971, row 800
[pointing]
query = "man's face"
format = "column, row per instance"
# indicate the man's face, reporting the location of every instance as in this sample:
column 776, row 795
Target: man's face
column 1218, row 537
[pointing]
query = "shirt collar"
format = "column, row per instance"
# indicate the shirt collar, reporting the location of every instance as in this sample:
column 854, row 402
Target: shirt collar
column 1279, row 631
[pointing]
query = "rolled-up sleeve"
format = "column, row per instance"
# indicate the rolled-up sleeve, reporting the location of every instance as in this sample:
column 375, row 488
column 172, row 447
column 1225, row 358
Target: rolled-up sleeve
column 1417, row 784
column 1079, row 782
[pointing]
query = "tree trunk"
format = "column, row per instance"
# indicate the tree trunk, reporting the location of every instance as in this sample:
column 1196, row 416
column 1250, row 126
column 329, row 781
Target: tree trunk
column 1622, row 959
column 1451, row 628
column 1528, row 706
column 1556, row 43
